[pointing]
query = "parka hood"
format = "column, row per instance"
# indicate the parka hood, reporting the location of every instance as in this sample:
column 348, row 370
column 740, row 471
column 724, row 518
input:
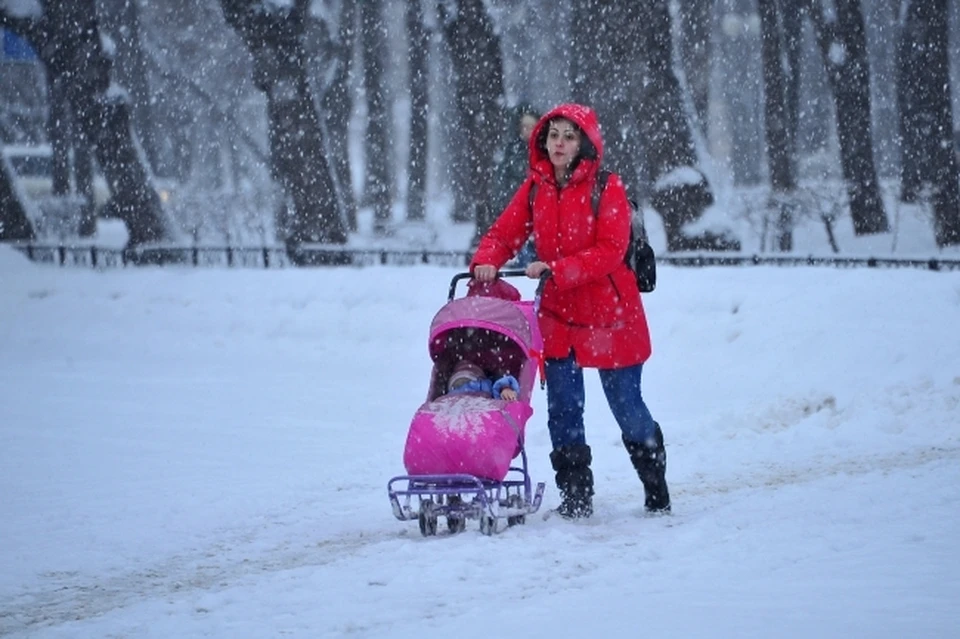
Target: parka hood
column 583, row 116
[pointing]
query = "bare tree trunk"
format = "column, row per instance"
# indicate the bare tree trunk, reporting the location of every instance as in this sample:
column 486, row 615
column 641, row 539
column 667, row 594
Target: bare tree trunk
column 669, row 143
column 337, row 106
column 791, row 21
column 696, row 53
column 541, row 65
column 83, row 174
column 926, row 118
column 14, row 223
column 134, row 199
column 59, row 134
column 67, row 38
column 883, row 35
column 65, row 136
column 122, row 19
column 741, row 95
column 103, row 117
column 378, row 183
column 913, row 122
column 842, row 45
column 779, row 116
column 601, row 55
column 478, row 80
column 419, row 102
column 680, row 191
column 273, row 34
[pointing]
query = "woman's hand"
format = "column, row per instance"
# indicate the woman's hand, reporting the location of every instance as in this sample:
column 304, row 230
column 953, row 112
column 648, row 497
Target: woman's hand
column 484, row 272
column 536, row 269
column 508, row 394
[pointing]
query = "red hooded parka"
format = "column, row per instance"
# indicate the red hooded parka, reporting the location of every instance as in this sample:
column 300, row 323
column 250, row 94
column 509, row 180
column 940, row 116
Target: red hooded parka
column 591, row 306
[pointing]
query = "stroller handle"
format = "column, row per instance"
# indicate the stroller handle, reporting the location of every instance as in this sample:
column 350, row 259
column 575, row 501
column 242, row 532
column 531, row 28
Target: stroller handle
column 466, row 275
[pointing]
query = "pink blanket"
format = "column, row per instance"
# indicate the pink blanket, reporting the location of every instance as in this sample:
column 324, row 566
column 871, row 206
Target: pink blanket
column 468, row 434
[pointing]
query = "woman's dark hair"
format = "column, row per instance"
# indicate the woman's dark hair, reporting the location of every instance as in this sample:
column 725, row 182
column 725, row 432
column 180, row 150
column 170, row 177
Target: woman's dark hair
column 587, row 150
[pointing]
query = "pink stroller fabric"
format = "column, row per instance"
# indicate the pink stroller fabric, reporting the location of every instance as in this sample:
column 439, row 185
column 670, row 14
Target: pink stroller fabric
column 465, row 434
column 469, row 433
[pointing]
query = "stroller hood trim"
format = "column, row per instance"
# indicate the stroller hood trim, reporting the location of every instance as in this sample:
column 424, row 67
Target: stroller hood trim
column 515, row 320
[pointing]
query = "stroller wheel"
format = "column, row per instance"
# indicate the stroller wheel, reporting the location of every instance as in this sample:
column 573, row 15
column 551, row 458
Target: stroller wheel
column 488, row 524
column 456, row 521
column 456, row 524
column 427, row 519
column 516, row 501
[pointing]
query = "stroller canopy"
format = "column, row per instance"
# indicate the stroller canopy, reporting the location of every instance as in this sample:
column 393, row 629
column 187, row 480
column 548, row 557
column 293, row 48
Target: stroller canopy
column 515, row 320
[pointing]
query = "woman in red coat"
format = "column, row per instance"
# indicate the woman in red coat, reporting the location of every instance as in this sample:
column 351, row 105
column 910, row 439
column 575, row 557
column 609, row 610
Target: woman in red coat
column 590, row 312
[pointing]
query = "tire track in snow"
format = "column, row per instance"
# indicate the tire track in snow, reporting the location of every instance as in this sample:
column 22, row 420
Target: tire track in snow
column 74, row 597
column 71, row 596
column 701, row 484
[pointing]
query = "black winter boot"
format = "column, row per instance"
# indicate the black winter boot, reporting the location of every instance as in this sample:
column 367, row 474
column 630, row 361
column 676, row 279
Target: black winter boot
column 650, row 463
column 574, row 480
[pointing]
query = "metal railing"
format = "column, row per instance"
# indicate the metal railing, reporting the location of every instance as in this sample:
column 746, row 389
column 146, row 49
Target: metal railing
column 268, row 257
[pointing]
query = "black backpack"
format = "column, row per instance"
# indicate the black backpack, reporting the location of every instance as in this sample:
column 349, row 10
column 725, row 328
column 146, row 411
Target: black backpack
column 639, row 256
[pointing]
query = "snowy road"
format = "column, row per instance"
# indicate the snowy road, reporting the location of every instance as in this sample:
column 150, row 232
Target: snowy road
column 205, row 454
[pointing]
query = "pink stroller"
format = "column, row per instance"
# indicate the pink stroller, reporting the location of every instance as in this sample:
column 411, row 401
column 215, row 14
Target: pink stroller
column 460, row 448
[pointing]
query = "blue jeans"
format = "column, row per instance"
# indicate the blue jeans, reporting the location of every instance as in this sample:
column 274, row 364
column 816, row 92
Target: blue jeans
column 566, row 397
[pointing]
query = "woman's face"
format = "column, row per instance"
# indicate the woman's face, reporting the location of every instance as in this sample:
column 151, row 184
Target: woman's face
column 563, row 142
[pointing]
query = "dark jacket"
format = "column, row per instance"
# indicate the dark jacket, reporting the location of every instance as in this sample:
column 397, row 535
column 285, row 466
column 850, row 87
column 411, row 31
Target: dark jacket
column 515, row 165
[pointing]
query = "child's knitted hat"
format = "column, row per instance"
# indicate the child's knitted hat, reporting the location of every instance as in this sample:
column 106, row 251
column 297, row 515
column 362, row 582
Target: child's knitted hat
column 465, row 371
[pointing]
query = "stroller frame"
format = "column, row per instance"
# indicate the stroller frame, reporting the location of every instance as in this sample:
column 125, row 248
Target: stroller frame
column 461, row 497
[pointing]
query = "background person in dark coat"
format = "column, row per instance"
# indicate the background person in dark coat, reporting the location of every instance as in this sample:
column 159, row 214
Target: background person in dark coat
column 513, row 169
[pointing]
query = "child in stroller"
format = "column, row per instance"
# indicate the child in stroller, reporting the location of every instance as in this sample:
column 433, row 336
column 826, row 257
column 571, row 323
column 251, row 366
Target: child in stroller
column 465, row 431
column 468, row 377
column 460, row 444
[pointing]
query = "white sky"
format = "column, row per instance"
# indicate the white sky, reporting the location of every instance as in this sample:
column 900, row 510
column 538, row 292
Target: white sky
column 205, row 453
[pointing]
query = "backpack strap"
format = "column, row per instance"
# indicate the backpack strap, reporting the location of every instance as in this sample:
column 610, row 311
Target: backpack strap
column 603, row 176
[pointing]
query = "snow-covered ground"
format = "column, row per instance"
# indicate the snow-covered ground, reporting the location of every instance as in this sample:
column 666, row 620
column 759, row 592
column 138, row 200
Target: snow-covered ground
column 205, row 453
